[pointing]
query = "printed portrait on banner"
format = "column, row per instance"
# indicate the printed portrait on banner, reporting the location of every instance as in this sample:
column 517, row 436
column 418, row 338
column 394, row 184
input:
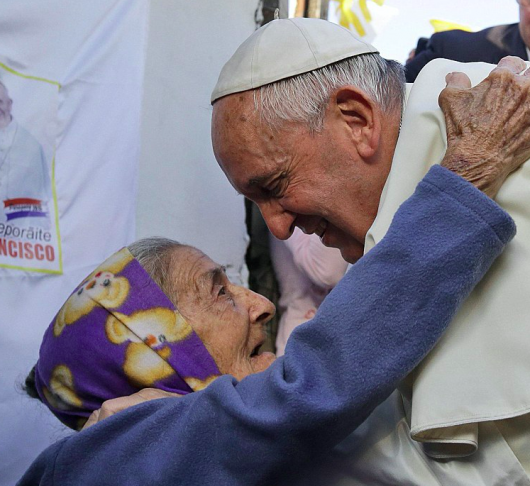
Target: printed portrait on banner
column 29, row 226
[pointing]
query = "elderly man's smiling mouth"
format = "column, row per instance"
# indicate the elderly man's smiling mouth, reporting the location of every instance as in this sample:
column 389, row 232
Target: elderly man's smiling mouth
column 321, row 228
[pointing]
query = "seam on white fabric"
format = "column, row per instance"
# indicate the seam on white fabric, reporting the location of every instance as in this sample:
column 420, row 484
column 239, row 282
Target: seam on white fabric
column 403, row 423
column 258, row 42
column 472, row 420
column 308, row 44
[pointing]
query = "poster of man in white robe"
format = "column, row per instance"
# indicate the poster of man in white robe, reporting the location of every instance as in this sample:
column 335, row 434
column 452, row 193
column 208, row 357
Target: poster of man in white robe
column 29, row 229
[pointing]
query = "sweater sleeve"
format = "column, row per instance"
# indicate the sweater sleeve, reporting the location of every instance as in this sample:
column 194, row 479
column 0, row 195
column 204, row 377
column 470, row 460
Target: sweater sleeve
column 387, row 313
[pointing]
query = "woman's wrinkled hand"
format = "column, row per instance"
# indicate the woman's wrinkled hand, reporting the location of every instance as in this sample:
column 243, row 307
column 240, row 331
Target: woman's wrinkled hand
column 111, row 407
column 488, row 126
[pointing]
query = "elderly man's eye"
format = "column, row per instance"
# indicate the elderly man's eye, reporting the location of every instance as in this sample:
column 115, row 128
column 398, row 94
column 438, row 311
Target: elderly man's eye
column 222, row 291
column 274, row 191
column 276, row 187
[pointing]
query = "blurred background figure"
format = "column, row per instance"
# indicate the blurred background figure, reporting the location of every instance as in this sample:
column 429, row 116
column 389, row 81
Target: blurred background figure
column 306, row 271
column 488, row 45
column 420, row 47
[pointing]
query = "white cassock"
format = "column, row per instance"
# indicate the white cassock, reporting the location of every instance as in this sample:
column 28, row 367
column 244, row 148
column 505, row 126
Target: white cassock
column 24, row 173
column 475, row 385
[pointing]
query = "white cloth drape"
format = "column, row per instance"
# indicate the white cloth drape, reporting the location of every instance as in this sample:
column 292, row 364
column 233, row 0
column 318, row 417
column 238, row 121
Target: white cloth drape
column 478, row 373
column 95, row 51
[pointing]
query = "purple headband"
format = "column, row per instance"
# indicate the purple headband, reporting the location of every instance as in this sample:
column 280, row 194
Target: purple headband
column 117, row 333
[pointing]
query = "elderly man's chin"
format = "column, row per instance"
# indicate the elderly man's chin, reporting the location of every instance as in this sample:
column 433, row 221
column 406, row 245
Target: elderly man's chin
column 350, row 249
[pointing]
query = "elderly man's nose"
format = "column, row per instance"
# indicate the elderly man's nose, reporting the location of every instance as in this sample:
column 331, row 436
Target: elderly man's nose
column 279, row 221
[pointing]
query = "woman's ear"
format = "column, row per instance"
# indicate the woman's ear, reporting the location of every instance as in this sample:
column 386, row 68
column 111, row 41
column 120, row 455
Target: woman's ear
column 362, row 116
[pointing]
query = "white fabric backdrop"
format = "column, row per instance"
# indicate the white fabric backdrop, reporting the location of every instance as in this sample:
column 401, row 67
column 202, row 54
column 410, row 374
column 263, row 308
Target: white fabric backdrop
column 182, row 193
column 96, row 50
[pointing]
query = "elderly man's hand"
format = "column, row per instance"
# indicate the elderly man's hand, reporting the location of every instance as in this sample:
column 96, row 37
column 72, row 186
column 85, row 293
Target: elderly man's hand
column 488, row 126
column 110, row 407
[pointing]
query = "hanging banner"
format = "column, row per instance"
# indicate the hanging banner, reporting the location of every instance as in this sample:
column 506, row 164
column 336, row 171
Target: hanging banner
column 29, row 226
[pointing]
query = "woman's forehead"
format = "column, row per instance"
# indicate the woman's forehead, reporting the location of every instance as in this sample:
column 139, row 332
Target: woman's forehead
column 193, row 269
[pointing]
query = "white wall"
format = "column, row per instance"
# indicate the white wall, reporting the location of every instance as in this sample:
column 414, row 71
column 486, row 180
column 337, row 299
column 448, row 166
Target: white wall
column 182, row 192
column 95, row 50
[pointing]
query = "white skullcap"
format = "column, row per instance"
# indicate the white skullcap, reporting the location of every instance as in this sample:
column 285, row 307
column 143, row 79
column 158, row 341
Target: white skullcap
column 285, row 48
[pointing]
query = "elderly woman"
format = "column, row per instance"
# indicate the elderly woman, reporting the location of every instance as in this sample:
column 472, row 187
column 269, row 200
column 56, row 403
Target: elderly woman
column 120, row 331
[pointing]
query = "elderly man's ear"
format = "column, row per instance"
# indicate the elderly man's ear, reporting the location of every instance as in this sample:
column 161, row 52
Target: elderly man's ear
column 361, row 117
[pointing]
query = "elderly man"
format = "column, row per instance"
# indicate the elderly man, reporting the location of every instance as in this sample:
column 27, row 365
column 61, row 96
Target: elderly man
column 489, row 45
column 312, row 141
column 381, row 318
column 23, row 169
column 314, row 150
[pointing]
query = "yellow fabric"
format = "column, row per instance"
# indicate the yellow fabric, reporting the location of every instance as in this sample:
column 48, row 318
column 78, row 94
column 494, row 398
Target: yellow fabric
column 479, row 372
column 443, row 25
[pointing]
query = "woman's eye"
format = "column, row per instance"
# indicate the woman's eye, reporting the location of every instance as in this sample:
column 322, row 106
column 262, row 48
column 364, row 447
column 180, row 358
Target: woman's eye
column 162, row 338
column 225, row 294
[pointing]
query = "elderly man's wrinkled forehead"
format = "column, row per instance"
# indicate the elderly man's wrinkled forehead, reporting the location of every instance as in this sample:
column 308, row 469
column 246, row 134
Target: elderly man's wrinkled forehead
column 234, row 112
column 238, row 130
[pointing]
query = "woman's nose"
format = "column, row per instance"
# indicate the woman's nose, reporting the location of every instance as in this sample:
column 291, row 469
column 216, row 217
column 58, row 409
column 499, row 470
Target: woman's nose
column 261, row 309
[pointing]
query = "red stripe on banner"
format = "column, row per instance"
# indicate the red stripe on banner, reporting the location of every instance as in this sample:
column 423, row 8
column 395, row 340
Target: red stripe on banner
column 20, row 200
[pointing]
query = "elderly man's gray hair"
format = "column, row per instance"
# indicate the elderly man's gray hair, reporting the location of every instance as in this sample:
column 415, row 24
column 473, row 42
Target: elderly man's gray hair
column 304, row 98
column 156, row 254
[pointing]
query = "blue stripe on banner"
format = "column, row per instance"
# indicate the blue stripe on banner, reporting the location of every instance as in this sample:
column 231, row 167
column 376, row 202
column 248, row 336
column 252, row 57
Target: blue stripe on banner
column 26, row 214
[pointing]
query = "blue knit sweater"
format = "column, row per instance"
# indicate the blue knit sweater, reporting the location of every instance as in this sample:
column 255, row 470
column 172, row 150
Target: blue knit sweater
column 374, row 327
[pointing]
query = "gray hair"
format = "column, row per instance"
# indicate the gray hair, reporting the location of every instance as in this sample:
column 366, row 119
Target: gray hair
column 156, row 254
column 304, row 98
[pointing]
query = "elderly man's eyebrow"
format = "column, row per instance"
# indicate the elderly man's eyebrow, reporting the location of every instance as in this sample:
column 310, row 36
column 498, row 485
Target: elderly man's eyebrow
column 256, row 181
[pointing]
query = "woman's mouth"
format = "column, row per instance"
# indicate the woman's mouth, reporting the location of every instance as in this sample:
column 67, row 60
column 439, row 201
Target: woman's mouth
column 255, row 351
